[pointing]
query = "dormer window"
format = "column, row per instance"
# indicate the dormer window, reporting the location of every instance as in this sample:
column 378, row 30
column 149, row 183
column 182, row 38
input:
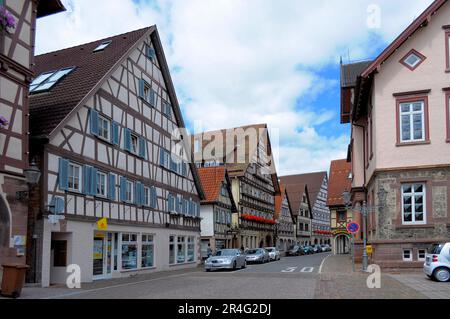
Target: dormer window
column 102, row 46
column 412, row 60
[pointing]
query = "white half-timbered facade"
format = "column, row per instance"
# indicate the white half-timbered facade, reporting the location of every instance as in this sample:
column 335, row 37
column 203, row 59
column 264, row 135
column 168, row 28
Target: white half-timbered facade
column 118, row 156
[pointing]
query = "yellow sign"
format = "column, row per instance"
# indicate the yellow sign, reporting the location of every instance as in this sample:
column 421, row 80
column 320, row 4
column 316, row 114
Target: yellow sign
column 369, row 249
column 102, row 224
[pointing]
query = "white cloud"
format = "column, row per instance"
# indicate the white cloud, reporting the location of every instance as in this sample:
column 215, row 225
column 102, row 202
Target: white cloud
column 240, row 62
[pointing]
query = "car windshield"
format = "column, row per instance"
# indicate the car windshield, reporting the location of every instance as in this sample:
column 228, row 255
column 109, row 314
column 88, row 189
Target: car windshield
column 270, row 250
column 435, row 249
column 227, row 252
column 253, row 251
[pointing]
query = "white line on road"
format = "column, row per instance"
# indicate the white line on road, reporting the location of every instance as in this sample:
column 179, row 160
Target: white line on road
column 307, row 269
column 321, row 264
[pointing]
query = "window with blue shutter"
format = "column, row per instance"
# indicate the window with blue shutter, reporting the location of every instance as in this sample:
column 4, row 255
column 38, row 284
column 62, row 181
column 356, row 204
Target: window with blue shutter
column 142, row 147
column 142, row 89
column 115, row 133
column 162, row 157
column 127, row 139
column 93, row 180
column 63, row 174
column 137, row 193
column 57, row 205
column 184, row 169
column 151, row 53
column 123, row 189
column 111, row 186
column 94, row 121
column 87, row 180
column 152, row 100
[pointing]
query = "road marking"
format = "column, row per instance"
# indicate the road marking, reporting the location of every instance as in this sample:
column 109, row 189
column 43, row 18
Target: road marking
column 117, row 286
column 307, row 269
column 321, row 264
column 289, row 269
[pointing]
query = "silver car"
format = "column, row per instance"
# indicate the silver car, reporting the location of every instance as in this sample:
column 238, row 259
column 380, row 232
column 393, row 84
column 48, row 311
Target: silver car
column 258, row 255
column 274, row 254
column 226, row 259
column 437, row 263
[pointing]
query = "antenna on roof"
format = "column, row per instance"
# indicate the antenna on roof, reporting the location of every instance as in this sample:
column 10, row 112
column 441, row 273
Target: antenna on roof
column 348, row 52
column 341, row 59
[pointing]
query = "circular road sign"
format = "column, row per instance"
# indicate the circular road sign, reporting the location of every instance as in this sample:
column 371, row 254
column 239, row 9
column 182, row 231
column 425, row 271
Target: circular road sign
column 353, row 227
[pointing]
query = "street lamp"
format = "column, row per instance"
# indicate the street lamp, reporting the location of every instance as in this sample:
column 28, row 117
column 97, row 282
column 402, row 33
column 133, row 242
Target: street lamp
column 32, row 176
column 365, row 212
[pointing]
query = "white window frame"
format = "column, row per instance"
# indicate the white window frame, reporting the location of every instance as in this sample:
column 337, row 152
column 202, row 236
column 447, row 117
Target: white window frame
column 105, row 176
column 411, row 114
column 129, row 191
column 134, row 150
column 146, row 196
column 413, row 208
column 410, row 254
column 80, row 177
column 123, row 242
column 101, row 128
column 424, row 255
column 145, row 241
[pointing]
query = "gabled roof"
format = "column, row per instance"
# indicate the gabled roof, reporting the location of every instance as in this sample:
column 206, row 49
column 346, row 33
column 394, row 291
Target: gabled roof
column 49, row 7
column 212, row 179
column 229, row 158
column 51, row 110
column 295, row 191
column 422, row 20
column 312, row 180
column 351, row 71
column 339, row 182
column 279, row 202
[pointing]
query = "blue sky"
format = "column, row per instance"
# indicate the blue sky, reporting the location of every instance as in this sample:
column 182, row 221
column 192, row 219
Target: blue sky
column 236, row 62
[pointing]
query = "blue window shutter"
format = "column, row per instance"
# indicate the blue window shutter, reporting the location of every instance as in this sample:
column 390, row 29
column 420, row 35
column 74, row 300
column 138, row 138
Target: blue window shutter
column 141, row 89
column 123, row 189
column 93, row 181
column 63, row 174
column 153, row 197
column 111, row 186
column 184, row 169
column 152, row 98
column 161, row 156
column 94, row 122
column 87, row 180
column 115, row 133
column 171, row 203
column 127, row 139
column 59, row 205
column 137, row 193
column 142, row 149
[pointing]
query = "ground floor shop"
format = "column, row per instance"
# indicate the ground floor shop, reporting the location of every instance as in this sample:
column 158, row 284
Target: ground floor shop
column 255, row 239
column 214, row 244
column 285, row 243
column 120, row 251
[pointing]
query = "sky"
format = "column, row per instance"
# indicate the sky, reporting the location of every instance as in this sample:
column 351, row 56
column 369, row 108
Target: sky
column 241, row 62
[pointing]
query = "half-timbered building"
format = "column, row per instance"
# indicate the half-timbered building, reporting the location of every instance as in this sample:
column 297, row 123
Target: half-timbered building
column 16, row 72
column 216, row 210
column 246, row 153
column 119, row 193
column 301, row 208
column 285, row 236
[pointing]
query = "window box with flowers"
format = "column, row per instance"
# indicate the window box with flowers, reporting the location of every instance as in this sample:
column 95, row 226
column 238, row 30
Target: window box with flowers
column 7, row 24
column 3, row 121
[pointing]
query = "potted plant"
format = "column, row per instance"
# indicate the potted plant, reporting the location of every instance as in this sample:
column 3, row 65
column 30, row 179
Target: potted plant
column 3, row 121
column 7, row 20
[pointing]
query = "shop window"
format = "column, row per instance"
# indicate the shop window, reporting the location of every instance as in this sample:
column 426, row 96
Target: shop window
column 147, row 251
column 59, row 248
column 181, row 250
column 129, row 251
column 191, row 249
column 172, row 250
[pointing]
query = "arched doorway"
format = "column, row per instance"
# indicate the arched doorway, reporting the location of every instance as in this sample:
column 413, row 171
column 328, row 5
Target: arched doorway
column 268, row 241
column 341, row 245
column 5, row 223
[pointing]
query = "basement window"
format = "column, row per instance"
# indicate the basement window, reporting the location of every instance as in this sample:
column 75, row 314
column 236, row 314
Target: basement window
column 102, row 46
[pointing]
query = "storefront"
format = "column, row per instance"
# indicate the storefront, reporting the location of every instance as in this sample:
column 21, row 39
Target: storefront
column 119, row 252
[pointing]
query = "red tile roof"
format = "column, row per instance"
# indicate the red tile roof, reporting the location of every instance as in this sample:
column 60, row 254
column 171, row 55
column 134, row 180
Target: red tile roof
column 312, row 180
column 339, row 182
column 212, row 179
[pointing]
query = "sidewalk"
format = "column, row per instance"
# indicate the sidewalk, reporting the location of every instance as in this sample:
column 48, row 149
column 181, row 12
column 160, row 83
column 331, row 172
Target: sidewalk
column 338, row 281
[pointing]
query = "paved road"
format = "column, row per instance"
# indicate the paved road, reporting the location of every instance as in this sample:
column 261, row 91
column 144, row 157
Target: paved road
column 304, row 277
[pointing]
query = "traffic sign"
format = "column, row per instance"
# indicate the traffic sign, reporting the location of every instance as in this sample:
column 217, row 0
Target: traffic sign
column 102, row 224
column 353, row 227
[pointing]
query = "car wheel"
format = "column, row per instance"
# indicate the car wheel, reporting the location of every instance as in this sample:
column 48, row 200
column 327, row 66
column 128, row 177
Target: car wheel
column 244, row 265
column 234, row 265
column 207, row 270
column 442, row 274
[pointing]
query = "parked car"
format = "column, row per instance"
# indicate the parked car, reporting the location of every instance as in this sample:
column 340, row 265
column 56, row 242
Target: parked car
column 437, row 262
column 274, row 254
column 317, row 249
column 308, row 250
column 259, row 255
column 327, row 247
column 226, row 259
column 294, row 251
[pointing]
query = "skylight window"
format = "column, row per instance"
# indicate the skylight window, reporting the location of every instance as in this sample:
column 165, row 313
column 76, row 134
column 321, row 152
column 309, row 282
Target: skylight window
column 102, row 46
column 47, row 80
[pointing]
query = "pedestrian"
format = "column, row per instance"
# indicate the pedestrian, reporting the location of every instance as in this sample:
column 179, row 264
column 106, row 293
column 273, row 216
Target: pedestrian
column 209, row 251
